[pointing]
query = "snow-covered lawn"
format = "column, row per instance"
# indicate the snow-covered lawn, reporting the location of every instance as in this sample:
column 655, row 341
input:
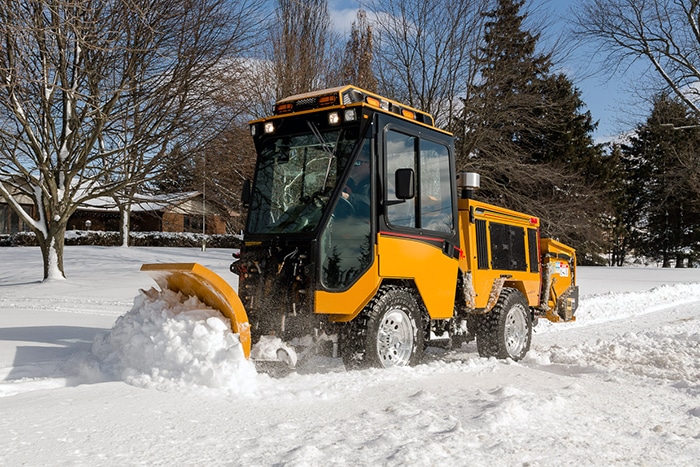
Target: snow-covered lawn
column 620, row 386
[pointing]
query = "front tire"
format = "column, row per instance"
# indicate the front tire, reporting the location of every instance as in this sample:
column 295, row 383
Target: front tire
column 506, row 331
column 388, row 332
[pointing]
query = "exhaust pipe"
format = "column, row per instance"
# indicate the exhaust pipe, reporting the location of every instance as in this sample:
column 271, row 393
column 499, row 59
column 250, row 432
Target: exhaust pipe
column 468, row 183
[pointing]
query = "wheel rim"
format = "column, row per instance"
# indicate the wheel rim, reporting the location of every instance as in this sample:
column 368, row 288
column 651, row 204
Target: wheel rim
column 395, row 339
column 516, row 331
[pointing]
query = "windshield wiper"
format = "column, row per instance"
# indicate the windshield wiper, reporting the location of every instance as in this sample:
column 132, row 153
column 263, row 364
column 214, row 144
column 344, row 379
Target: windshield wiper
column 320, row 139
column 325, row 145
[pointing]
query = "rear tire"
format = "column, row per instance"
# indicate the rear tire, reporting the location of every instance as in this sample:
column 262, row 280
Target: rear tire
column 388, row 332
column 506, row 331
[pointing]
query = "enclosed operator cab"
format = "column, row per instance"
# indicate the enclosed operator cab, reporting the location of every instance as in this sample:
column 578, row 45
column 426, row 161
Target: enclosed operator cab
column 351, row 191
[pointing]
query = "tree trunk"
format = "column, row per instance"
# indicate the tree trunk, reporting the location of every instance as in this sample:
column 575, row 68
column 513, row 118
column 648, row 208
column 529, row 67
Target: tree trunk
column 666, row 260
column 125, row 223
column 620, row 260
column 679, row 260
column 618, row 256
column 52, row 251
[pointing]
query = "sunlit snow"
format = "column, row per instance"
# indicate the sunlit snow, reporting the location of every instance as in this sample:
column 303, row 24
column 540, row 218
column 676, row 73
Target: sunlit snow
column 94, row 372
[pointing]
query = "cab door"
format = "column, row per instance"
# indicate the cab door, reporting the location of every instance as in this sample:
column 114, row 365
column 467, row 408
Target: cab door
column 417, row 237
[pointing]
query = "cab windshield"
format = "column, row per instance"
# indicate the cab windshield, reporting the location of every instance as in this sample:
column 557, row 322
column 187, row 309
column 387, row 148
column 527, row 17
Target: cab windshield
column 296, row 176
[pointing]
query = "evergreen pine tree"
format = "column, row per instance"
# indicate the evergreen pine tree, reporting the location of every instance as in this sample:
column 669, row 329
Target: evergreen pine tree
column 626, row 176
column 660, row 186
column 524, row 131
column 500, row 113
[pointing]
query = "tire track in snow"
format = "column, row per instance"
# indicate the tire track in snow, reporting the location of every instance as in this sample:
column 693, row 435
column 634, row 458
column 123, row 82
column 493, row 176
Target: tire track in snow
column 85, row 306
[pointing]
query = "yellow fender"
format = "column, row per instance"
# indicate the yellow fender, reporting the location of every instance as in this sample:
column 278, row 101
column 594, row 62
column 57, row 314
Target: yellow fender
column 193, row 279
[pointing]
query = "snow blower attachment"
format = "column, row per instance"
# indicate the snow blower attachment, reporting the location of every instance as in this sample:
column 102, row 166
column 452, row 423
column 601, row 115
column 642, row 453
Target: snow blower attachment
column 194, row 280
column 362, row 239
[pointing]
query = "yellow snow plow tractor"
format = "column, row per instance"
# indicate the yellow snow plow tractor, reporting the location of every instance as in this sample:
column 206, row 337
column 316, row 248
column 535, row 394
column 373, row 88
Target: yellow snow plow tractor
column 362, row 240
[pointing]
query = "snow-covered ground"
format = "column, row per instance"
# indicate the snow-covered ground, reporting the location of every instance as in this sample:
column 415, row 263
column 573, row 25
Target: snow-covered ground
column 81, row 386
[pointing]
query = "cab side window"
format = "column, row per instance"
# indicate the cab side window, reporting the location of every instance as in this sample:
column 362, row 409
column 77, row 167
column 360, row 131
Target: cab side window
column 431, row 163
column 435, row 188
column 400, row 154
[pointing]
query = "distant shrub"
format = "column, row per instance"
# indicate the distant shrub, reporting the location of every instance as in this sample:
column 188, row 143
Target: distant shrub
column 101, row 238
column 183, row 240
column 23, row 239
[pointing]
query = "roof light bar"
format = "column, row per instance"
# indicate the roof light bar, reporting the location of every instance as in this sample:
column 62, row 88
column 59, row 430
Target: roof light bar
column 408, row 114
column 348, row 95
column 330, row 99
column 284, row 108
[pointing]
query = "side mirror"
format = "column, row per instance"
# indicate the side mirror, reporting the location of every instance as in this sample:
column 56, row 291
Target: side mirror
column 405, row 184
column 245, row 193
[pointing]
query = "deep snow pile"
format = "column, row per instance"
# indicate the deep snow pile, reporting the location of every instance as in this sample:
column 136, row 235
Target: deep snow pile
column 670, row 352
column 168, row 340
column 665, row 354
column 617, row 306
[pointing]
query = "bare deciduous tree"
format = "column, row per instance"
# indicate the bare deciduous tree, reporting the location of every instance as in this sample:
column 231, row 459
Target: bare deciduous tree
column 423, row 51
column 301, row 38
column 664, row 33
column 94, row 94
column 230, row 159
column 298, row 54
column 359, row 55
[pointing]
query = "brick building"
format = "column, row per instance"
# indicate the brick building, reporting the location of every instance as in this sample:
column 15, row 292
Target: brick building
column 178, row 212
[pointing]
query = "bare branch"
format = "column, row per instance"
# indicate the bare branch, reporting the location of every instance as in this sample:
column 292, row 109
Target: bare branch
column 664, row 33
column 94, row 94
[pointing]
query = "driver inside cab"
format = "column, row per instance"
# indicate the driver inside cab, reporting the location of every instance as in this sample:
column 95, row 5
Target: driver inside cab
column 357, row 189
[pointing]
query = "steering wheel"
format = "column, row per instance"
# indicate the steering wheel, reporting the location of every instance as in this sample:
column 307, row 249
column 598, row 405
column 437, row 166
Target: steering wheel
column 344, row 208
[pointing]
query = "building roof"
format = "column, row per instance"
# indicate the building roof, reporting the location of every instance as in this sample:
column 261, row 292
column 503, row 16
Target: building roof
column 141, row 203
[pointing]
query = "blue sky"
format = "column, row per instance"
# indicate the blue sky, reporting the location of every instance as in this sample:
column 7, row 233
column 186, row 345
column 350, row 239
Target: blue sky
column 611, row 100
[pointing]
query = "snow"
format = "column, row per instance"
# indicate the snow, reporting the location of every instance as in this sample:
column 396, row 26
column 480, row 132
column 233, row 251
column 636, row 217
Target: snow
column 93, row 372
column 53, row 271
column 169, row 340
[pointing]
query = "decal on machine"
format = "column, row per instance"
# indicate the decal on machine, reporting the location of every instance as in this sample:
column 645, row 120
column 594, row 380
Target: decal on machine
column 561, row 268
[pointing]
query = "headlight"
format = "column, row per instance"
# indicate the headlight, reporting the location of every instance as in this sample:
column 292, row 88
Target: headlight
column 333, row 118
